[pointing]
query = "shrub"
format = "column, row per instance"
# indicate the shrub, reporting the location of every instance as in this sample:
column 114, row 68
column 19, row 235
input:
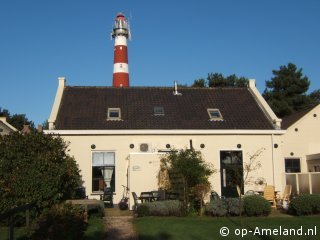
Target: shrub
column 233, row 206
column 305, row 205
column 174, row 207
column 256, row 206
column 143, row 210
column 63, row 221
column 97, row 212
column 35, row 168
column 160, row 208
column 216, row 207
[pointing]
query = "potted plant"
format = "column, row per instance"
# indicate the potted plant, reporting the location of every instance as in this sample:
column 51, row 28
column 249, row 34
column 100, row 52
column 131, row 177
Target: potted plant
column 260, row 184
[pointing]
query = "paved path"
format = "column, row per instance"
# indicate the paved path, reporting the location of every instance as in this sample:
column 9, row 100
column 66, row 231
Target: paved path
column 119, row 225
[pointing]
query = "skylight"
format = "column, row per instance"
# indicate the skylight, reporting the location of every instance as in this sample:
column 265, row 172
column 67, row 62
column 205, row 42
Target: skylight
column 114, row 114
column 214, row 114
column 158, row 111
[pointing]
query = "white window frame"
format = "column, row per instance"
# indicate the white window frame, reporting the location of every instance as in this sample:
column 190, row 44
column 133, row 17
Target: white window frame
column 102, row 166
column 109, row 118
column 211, row 118
column 159, row 113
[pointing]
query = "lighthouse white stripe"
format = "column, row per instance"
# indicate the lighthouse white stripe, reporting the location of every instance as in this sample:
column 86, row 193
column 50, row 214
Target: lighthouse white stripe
column 120, row 40
column 120, row 67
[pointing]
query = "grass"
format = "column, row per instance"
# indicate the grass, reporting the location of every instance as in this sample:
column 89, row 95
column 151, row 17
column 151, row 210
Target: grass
column 19, row 233
column 203, row 228
column 95, row 229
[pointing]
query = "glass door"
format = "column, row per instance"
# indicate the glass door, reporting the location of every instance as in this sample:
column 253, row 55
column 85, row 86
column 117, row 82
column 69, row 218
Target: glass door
column 231, row 171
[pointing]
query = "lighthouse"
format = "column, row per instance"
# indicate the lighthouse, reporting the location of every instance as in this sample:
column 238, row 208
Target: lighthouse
column 120, row 33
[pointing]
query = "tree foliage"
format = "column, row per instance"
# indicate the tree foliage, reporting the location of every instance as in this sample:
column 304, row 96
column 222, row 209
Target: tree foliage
column 186, row 170
column 218, row 80
column 17, row 120
column 286, row 92
column 34, row 168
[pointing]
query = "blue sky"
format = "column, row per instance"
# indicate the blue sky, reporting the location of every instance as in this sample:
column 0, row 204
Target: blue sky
column 171, row 40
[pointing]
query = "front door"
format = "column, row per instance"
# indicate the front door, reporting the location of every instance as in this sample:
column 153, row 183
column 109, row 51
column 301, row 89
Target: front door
column 231, row 166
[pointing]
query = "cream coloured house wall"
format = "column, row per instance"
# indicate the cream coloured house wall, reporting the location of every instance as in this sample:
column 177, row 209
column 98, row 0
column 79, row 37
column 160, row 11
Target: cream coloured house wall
column 145, row 178
column 302, row 139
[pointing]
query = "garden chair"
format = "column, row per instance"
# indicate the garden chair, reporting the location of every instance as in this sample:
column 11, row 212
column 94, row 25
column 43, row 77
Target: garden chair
column 285, row 199
column 268, row 194
column 107, row 197
column 135, row 199
column 286, row 193
column 214, row 195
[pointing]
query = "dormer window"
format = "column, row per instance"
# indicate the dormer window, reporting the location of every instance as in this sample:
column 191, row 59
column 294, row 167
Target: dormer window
column 158, row 111
column 214, row 114
column 114, row 114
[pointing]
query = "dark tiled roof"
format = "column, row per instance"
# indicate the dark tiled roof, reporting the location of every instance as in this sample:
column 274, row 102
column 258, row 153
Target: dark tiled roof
column 294, row 117
column 86, row 108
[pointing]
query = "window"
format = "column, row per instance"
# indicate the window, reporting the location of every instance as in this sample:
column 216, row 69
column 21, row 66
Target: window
column 158, row 111
column 114, row 114
column 214, row 114
column 103, row 171
column 292, row 165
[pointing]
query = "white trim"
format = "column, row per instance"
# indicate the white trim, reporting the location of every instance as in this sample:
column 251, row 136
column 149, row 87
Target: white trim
column 120, row 68
column 57, row 101
column 109, row 118
column 165, row 132
column 120, row 40
column 263, row 104
column 213, row 118
column 4, row 121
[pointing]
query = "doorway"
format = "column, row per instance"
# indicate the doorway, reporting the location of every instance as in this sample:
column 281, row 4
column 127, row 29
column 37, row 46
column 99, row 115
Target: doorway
column 231, row 165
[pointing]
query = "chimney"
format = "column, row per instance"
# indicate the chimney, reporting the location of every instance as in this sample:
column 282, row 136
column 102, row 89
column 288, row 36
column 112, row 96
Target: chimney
column 175, row 92
column 26, row 129
column 40, row 128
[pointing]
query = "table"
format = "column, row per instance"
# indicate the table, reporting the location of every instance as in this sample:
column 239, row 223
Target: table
column 146, row 197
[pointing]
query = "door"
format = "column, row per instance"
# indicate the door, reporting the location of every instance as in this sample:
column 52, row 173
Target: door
column 231, row 171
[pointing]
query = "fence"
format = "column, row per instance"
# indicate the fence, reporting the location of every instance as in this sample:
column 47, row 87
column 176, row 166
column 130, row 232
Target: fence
column 304, row 183
column 10, row 216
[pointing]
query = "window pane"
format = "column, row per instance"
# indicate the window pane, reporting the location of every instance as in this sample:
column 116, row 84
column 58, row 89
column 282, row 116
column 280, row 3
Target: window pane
column 109, row 158
column 114, row 114
column 292, row 165
column 97, row 159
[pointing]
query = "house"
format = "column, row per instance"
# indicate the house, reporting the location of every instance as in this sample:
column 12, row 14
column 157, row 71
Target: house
column 301, row 150
column 117, row 135
column 5, row 127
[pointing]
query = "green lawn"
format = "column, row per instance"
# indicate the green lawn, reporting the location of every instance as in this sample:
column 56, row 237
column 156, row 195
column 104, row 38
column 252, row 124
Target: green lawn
column 203, row 228
column 95, row 230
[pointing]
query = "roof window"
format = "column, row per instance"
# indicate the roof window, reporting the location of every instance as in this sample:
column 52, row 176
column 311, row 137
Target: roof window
column 214, row 114
column 114, row 114
column 158, row 111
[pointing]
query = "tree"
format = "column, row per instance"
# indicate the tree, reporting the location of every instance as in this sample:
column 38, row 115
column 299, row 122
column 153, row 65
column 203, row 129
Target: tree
column 286, row 92
column 199, row 83
column 315, row 96
column 17, row 120
column 35, row 168
column 186, row 169
column 218, row 80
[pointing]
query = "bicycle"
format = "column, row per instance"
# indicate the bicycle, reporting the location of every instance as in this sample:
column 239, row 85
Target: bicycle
column 124, row 202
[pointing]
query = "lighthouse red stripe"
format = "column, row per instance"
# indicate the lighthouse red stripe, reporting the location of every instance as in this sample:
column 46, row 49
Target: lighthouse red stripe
column 120, row 54
column 121, row 80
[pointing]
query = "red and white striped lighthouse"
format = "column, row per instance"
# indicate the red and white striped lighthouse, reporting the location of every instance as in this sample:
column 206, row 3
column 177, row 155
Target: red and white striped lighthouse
column 120, row 33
